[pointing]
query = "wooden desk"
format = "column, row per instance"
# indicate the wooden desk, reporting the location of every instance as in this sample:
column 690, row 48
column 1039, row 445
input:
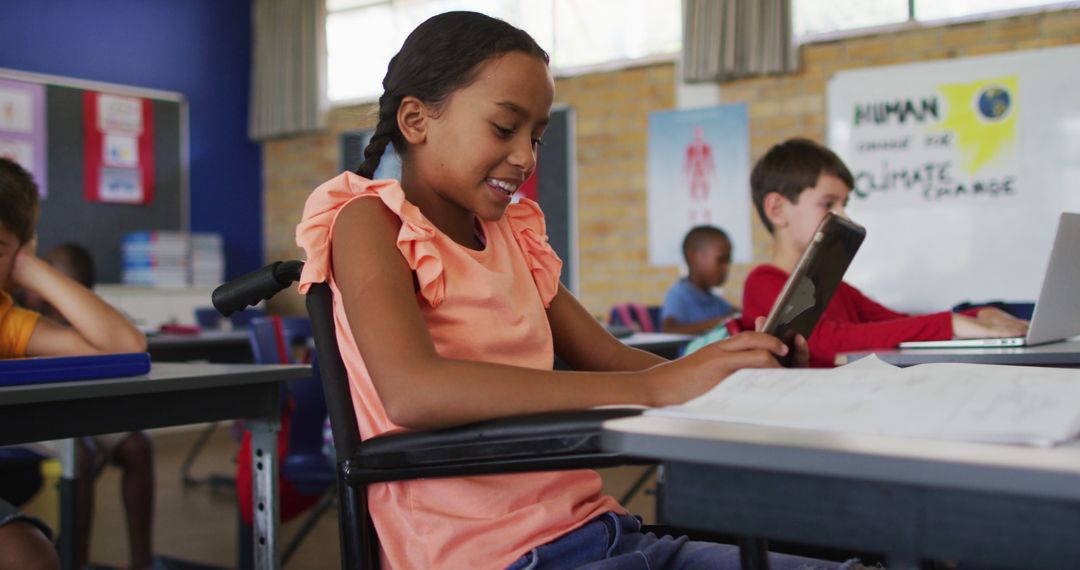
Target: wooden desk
column 908, row 499
column 211, row 346
column 1064, row 354
column 171, row 394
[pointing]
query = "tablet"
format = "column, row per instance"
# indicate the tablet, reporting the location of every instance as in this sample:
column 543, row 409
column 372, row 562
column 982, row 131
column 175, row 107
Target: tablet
column 816, row 276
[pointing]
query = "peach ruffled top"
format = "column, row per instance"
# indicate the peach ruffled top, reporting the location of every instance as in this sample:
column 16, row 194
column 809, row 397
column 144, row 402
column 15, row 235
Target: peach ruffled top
column 487, row 305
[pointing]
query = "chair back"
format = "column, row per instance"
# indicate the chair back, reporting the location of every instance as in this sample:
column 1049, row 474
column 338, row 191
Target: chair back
column 272, row 342
column 207, row 318
column 241, row 319
column 273, row 338
column 359, row 540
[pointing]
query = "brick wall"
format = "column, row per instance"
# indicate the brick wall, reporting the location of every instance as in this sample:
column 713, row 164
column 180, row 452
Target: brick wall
column 612, row 128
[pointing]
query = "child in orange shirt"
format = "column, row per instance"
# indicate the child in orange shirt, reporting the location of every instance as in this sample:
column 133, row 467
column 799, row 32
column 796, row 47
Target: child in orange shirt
column 448, row 310
column 86, row 325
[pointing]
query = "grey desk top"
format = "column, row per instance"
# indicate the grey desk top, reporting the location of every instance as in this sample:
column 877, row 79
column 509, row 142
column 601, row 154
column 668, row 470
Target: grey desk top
column 1037, row 472
column 163, row 377
column 229, row 337
column 1065, row 353
column 171, row 394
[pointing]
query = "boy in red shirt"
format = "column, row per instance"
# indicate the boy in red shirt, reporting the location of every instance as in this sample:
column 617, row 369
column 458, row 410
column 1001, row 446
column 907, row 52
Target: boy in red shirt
column 793, row 186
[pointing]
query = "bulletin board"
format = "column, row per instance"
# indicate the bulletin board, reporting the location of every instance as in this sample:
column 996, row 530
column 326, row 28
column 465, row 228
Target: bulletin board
column 962, row 168
column 66, row 214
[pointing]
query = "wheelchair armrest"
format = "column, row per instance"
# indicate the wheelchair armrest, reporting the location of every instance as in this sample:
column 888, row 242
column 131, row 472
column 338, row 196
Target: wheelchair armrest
column 536, row 442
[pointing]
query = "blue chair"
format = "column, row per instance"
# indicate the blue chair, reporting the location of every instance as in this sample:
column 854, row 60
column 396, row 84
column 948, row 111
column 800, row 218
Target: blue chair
column 207, row 318
column 242, row 319
column 304, row 467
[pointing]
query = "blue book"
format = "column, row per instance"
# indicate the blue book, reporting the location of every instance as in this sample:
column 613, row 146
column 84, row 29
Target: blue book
column 19, row 371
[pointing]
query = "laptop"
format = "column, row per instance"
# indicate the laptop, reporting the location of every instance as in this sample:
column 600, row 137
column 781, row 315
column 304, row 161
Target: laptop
column 1057, row 311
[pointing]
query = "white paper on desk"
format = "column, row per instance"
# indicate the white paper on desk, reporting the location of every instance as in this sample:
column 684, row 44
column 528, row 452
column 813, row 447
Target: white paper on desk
column 999, row 404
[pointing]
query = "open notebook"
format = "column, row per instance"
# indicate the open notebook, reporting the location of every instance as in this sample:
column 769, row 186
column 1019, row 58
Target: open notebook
column 970, row 402
column 18, row 371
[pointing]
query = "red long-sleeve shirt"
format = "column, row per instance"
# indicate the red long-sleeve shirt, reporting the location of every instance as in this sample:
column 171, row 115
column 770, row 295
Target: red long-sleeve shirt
column 851, row 322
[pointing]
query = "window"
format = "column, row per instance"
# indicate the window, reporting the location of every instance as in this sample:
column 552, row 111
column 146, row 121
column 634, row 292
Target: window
column 813, row 17
column 362, row 35
column 941, row 9
column 823, row 16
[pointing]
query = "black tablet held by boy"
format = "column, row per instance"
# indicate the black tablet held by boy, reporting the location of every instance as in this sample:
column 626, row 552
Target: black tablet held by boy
column 816, row 276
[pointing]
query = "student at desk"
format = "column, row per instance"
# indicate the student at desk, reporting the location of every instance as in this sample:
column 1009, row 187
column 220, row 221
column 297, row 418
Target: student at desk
column 465, row 290
column 690, row 306
column 793, row 186
column 91, row 326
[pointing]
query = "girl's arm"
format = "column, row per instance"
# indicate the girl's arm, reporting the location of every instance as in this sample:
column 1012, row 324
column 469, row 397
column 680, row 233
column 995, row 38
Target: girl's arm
column 586, row 345
column 420, row 389
column 95, row 328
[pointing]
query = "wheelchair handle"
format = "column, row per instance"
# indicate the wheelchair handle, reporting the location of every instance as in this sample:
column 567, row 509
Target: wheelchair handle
column 259, row 285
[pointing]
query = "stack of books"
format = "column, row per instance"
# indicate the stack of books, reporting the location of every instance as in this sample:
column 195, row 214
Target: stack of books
column 207, row 259
column 172, row 259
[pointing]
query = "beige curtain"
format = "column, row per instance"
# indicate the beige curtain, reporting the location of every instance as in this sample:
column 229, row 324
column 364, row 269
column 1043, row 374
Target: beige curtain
column 288, row 68
column 732, row 39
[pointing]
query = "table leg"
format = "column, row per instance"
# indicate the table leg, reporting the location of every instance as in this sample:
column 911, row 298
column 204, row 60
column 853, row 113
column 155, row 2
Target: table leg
column 68, row 502
column 265, row 493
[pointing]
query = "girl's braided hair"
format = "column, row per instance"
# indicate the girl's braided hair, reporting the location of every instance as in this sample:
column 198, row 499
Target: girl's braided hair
column 440, row 56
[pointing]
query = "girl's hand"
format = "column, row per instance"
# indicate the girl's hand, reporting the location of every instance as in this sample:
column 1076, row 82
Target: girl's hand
column 693, row 375
column 968, row 327
column 802, row 347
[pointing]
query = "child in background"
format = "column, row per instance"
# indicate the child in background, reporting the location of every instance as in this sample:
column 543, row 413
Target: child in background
column 690, row 306
column 793, row 186
column 464, row 289
column 90, row 325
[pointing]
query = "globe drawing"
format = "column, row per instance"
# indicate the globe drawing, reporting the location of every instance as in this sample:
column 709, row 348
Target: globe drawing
column 993, row 103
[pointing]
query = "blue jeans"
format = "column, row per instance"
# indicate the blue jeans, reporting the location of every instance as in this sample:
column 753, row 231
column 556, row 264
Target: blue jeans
column 610, row 542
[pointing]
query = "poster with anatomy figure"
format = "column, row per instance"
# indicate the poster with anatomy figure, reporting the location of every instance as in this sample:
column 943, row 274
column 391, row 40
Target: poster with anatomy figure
column 698, row 174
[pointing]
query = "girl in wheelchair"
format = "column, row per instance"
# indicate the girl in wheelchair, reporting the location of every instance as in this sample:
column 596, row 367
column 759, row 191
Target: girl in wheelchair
column 448, row 310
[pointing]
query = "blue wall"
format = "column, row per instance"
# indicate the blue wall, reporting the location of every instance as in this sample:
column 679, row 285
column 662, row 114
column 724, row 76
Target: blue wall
column 200, row 48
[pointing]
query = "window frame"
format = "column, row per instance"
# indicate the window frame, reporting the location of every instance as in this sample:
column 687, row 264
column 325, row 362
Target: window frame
column 912, row 23
column 558, row 73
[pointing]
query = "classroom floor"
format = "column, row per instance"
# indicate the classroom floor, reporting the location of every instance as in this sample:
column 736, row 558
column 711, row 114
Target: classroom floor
column 199, row 524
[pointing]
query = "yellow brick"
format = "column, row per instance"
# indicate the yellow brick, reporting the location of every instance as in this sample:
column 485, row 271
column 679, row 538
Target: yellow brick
column 814, row 54
column 1014, row 30
column 1061, row 23
column 867, row 49
column 916, row 42
column 983, row 49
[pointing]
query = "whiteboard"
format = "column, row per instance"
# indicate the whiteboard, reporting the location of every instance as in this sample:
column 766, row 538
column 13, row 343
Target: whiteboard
column 962, row 168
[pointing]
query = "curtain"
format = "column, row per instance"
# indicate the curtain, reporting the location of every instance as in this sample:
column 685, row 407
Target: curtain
column 288, row 68
column 732, row 39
